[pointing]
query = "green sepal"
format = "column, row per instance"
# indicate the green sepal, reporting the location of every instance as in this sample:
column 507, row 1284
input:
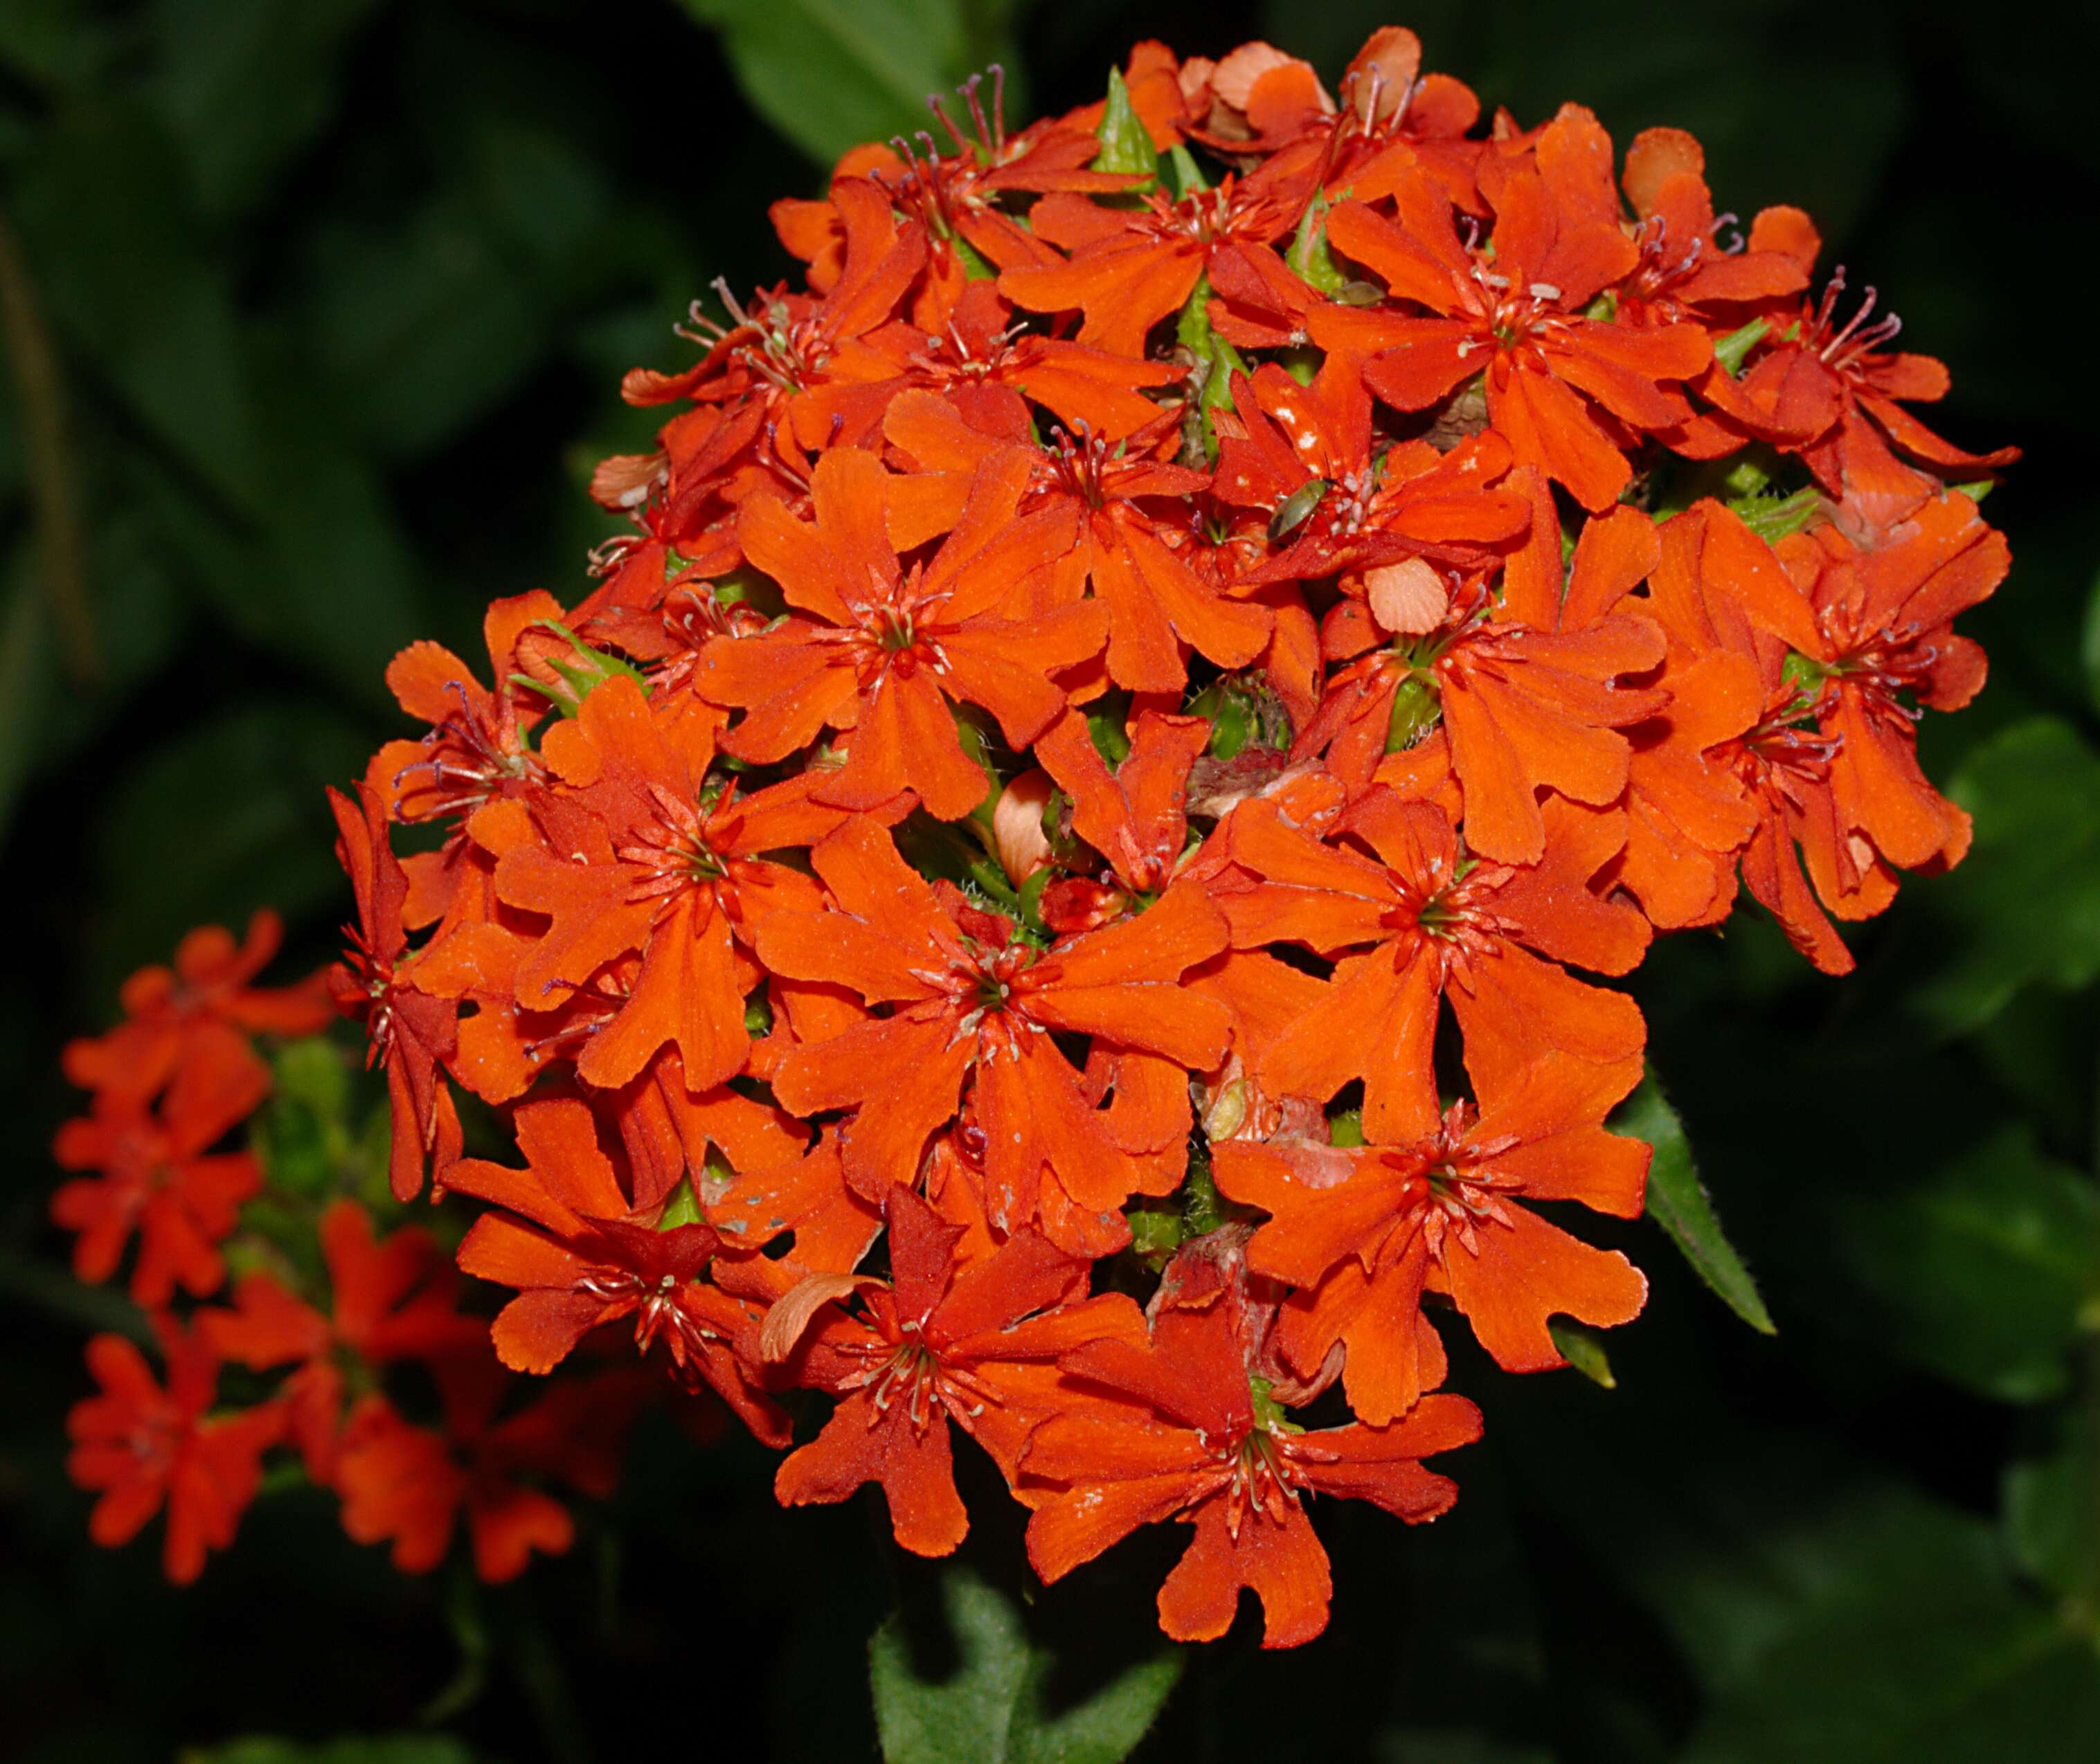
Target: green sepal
column 1217, row 361
column 1192, row 324
column 1202, row 1207
column 748, row 588
column 1180, row 172
column 682, row 1206
column 976, row 266
column 1302, row 363
column 1105, row 718
column 1732, row 350
column 1230, row 726
column 1771, row 518
column 1225, row 362
column 1417, row 708
column 1749, row 476
column 1805, row 674
column 1156, row 1232
column 1241, row 710
column 1029, row 896
column 974, row 744
column 584, row 671
column 1126, row 147
column 1268, row 1413
column 1309, row 258
column 1582, row 1349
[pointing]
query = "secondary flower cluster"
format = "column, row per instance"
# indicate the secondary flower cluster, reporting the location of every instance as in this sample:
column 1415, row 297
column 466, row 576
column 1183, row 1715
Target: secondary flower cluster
column 1128, row 696
column 324, row 1308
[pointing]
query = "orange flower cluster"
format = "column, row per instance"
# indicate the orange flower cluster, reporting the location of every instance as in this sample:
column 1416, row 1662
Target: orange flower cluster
column 173, row 1084
column 1129, row 697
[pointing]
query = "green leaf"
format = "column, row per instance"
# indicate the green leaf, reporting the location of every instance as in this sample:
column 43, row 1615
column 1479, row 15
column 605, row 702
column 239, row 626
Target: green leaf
column 2024, row 906
column 2052, row 1511
column 990, row 1706
column 1677, row 1201
column 327, row 576
column 829, row 74
column 1978, row 1271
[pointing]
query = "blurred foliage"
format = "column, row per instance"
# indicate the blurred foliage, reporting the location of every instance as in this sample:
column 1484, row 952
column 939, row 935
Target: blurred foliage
column 313, row 312
column 376, row 1748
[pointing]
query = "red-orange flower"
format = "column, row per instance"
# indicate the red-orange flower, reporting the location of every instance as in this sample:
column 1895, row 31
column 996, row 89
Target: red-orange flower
column 1525, row 705
column 981, row 349
column 639, row 852
column 1832, row 392
column 1019, row 730
column 971, row 1001
column 411, row 1033
column 409, row 1486
column 595, row 1260
column 883, row 648
column 1284, row 443
column 1125, row 506
column 976, row 1344
column 1683, row 264
column 1136, row 817
column 142, row 1447
column 158, row 1176
column 389, row 1298
column 1362, row 1231
column 478, row 752
column 1414, row 923
column 201, row 1011
column 1127, row 269
column 1843, row 641
column 1559, row 381
column 1185, row 1439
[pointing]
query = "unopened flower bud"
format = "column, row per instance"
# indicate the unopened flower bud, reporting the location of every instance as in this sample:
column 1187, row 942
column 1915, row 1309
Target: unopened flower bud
column 1407, row 598
column 1016, row 825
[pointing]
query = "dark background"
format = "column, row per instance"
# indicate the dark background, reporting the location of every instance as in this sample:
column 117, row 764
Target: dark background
column 315, row 314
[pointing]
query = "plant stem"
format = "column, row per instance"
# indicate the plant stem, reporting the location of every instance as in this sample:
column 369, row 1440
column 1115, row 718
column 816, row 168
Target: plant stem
column 53, row 490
